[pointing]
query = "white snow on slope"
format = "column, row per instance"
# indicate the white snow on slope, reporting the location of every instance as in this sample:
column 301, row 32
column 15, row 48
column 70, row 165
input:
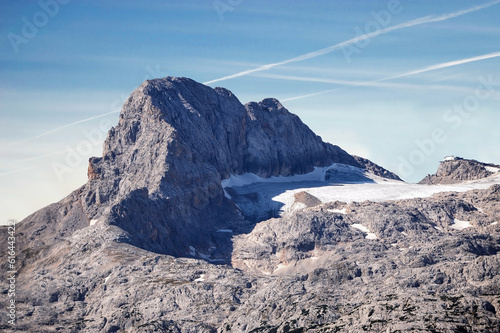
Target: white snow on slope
column 251, row 178
column 317, row 175
column 492, row 169
column 282, row 189
column 460, row 225
column 338, row 211
column 201, row 278
column 369, row 235
column 280, row 266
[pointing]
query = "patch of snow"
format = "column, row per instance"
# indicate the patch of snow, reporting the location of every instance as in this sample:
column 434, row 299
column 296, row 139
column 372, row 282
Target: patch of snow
column 460, row 225
column 251, row 178
column 225, row 230
column 201, row 278
column 192, row 251
column 361, row 227
column 338, row 211
column 450, row 158
column 280, row 266
column 314, row 258
column 494, row 223
column 404, row 233
column 492, row 169
column 438, row 228
column 369, row 235
column 93, row 221
column 106, row 279
column 280, row 191
column 378, row 192
column 318, row 174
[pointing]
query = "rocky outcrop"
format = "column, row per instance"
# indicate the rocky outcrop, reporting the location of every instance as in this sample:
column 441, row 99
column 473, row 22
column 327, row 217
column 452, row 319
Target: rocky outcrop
column 311, row 271
column 153, row 244
column 333, row 277
column 456, row 170
column 159, row 179
column 375, row 168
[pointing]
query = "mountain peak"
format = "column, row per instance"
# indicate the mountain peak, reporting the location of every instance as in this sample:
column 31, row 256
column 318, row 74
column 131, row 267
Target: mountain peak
column 453, row 169
column 160, row 175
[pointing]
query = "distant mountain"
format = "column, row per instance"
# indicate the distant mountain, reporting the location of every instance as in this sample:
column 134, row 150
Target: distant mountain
column 454, row 170
column 206, row 215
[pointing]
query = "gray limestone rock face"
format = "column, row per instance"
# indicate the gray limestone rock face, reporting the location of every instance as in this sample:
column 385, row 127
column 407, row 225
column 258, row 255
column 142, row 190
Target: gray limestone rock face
column 152, row 244
column 375, row 168
column 159, row 178
column 457, row 170
column 308, row 272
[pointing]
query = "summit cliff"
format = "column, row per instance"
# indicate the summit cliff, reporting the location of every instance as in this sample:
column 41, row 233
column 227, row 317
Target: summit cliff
column 207, row 215
column 454, row 170
column 159, row 178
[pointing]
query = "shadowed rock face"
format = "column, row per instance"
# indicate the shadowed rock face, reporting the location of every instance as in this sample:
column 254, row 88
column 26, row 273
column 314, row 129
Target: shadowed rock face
column 159, row 179
column 316, row 269
column 459, row 170
column 160, row 175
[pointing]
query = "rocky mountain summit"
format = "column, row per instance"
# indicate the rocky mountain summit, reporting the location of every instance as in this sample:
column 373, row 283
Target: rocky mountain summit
column 207, row 215
column 159, row 179
column 456, row 170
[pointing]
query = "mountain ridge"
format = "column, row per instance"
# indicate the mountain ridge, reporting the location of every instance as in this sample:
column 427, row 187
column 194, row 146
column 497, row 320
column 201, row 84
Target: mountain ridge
column 154, row 242
column 454, row 170
column 162, row 166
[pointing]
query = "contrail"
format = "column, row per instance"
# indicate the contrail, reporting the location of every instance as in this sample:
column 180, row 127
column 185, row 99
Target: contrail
column 73, row 123
column 11, row 145
column 445, row 65
column 412, row 23
column 378, row 83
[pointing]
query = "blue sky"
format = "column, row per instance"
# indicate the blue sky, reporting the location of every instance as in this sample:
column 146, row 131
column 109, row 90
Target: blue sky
column 421, row 81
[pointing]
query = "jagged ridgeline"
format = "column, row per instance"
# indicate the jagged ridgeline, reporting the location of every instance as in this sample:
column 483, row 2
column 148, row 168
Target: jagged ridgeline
column 159, row 177
column 206, row 215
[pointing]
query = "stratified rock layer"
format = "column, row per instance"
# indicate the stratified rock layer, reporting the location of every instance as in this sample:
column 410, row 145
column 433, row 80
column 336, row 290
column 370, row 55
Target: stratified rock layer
column 159, row 179
column 111, row 256
column 458, row 170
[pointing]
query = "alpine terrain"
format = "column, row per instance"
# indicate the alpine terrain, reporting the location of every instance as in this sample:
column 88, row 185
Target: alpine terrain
column 207, row 215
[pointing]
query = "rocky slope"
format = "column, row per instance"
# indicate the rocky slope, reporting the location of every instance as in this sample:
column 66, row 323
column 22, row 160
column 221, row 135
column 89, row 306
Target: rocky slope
column 153, row 243
column 313, row 271
column 456, row 170
column 159, row 179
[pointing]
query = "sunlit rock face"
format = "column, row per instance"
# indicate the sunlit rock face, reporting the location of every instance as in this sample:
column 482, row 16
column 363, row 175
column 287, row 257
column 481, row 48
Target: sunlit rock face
column 206, row 215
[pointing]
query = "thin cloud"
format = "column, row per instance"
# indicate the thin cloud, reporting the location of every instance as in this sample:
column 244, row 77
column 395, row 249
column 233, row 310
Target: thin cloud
column 376, row 84
column 445, row 65
column 412, row 23
column 379, row 83
column 11, row 145
column 72, row 124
